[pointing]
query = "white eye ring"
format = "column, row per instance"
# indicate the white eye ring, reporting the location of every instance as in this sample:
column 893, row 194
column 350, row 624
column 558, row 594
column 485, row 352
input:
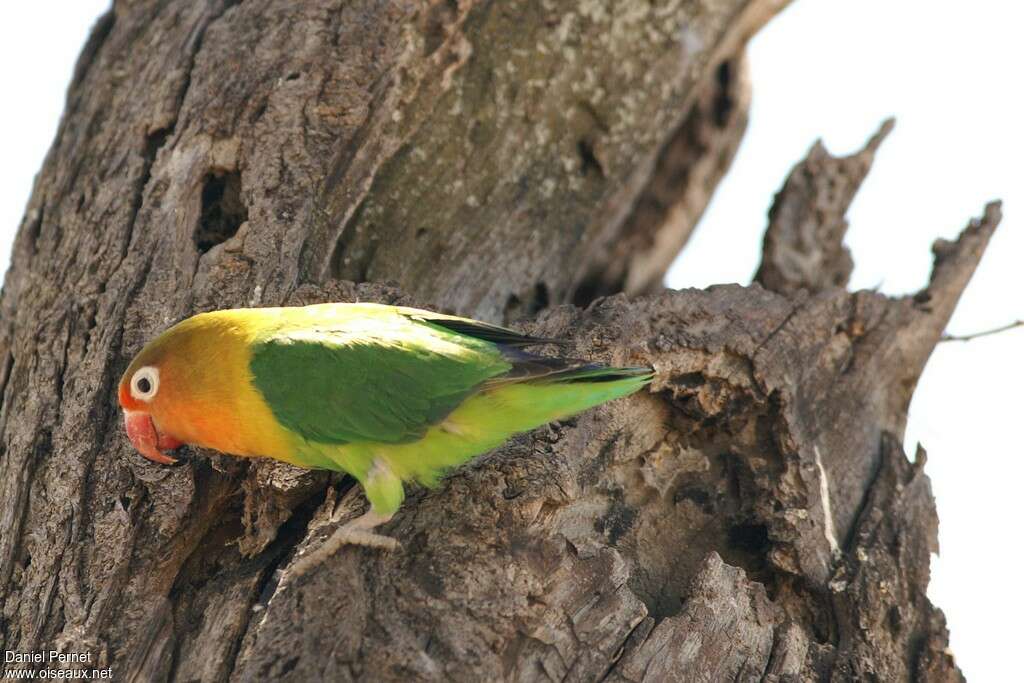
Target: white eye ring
column 145, row 383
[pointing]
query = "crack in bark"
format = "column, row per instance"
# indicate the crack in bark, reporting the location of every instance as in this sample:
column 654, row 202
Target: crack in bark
column 798, row 307
column 5, row 376
column 20, row 506
column 43, row 615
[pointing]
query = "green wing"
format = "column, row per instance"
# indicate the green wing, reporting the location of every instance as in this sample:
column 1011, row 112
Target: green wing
column 379, row 379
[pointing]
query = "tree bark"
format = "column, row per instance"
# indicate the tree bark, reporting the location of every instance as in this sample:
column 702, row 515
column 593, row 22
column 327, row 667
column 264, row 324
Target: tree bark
column 753, row 516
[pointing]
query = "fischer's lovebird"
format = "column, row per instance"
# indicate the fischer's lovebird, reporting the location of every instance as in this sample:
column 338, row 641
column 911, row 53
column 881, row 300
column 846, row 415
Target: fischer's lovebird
column 387, row 394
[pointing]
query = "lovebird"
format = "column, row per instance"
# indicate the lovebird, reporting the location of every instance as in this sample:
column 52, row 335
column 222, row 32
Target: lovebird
column 386, row 394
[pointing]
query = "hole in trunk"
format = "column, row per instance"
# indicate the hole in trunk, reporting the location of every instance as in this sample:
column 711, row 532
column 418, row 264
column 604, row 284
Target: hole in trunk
column 223, row 210
column 589, row 162
column 723, row 105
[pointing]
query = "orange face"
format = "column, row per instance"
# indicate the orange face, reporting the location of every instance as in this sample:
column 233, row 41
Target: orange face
column 139, row 396
column 161, row 393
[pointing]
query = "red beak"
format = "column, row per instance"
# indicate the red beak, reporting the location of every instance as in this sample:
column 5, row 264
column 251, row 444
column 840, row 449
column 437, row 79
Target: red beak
column 147, row 440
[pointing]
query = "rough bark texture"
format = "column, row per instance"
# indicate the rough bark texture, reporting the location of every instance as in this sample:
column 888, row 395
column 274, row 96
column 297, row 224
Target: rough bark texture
column 751, row 517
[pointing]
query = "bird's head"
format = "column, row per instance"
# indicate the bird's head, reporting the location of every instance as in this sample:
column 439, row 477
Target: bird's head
column 180, row 387
column 147, row 394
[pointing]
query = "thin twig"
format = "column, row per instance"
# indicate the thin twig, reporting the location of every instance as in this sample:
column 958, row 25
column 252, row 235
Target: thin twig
column 968, row 337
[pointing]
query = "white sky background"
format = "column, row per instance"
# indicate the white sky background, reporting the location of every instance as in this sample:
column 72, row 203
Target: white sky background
column 950, row 73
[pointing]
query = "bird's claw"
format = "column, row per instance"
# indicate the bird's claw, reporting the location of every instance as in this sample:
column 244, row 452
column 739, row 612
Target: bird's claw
column 356, row 532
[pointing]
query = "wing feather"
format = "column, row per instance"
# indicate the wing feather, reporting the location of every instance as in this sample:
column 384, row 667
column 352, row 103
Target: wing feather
column 480, row 330
column 387, row 381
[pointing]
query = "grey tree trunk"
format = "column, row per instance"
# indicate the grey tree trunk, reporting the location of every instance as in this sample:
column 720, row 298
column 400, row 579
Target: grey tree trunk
column 753, row 516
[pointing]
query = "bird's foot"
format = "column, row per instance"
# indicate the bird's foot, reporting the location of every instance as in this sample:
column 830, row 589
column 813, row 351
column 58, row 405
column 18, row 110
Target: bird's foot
column 357, row 532
column 364, row 538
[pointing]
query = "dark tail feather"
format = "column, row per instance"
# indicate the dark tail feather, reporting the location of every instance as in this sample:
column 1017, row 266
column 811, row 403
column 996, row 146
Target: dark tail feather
column 527, row 367
column 595, row 372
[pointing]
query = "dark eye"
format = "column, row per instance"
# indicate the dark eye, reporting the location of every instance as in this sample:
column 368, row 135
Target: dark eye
column 144, row 385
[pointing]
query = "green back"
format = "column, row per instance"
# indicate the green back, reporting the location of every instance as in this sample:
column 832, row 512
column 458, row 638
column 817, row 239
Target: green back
column 385, row 378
